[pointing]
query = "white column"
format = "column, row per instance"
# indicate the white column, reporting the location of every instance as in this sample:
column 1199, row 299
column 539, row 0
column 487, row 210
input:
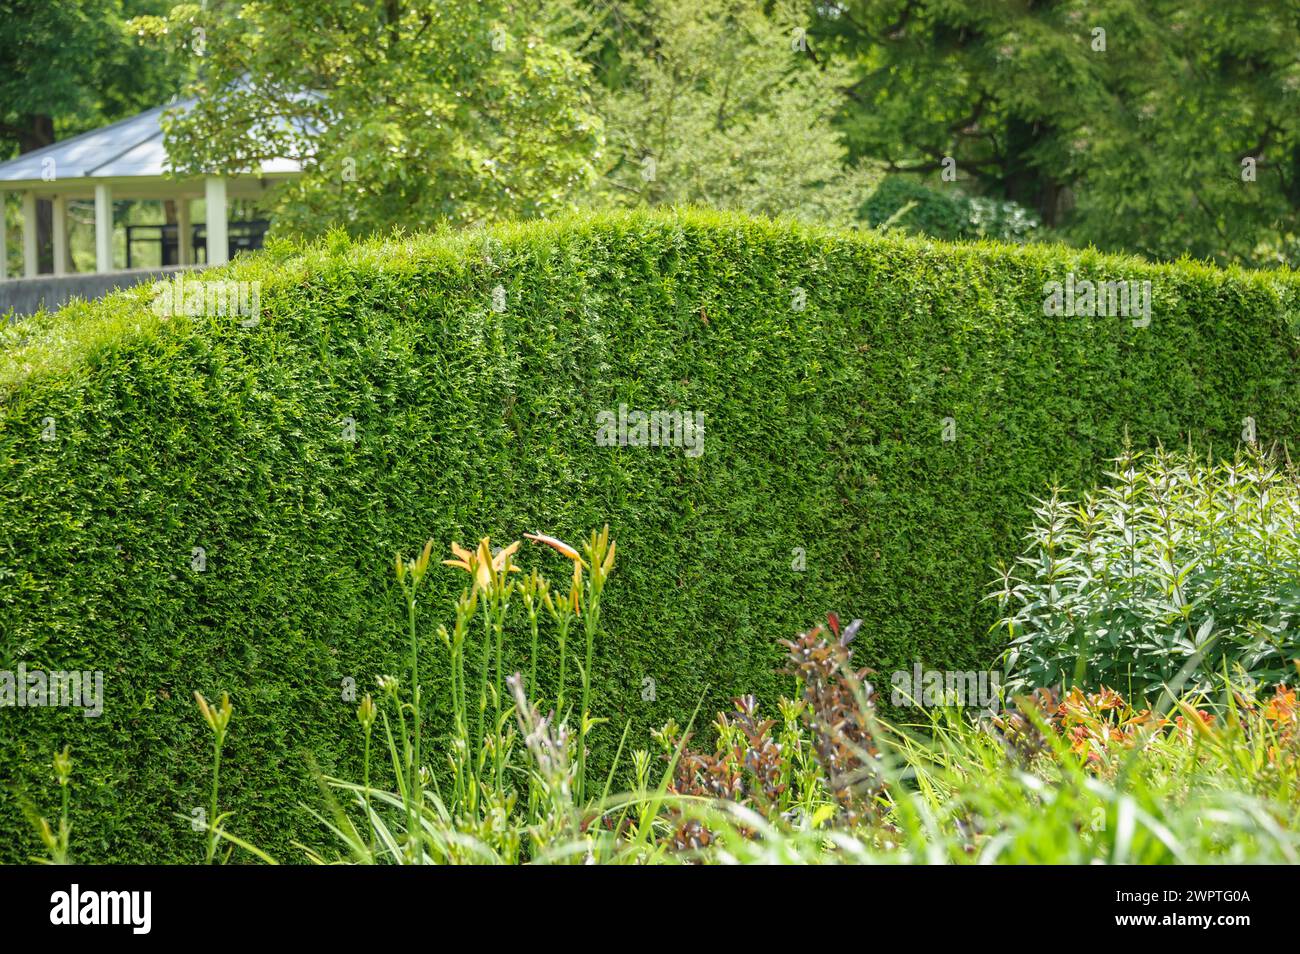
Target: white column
column 60, row 204
column 4, row 239
column 184, row 232
column 218, row 240
column 30, row 268
column 103, row 228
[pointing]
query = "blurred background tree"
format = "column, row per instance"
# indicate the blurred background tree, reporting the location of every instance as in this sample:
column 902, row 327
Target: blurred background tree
column 1160, row 127
column 724, row 104
column 1121, row 124
column 408, row 113
column 67, row 67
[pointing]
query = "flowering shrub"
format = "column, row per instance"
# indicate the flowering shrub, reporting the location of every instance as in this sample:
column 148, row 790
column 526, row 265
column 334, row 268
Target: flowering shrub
column 1101, row 727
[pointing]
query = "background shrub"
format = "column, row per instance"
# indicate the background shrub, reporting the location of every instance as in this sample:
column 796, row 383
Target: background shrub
column 1175, row 560
column 946, row 214
column 829, row 366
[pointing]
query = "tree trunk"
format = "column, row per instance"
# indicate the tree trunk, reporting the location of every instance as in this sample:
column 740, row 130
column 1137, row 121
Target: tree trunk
column 1025, row 183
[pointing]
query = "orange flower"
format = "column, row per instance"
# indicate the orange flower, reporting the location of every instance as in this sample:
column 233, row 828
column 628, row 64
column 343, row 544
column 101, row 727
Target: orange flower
column 501, row 562
column 1282, row 707
column 1106, row 700
column 556, row 544
column 464, row 559
column 485, row 568
column 559, row 546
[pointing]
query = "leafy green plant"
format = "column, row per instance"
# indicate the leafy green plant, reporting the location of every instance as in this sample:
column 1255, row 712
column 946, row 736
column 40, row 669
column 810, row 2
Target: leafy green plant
column 1177, row 562
column 902, row 203
column 217, row 718
column 775, row 774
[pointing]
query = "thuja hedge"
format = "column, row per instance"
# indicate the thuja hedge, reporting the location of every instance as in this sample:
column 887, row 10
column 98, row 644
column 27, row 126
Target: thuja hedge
column 878, row 413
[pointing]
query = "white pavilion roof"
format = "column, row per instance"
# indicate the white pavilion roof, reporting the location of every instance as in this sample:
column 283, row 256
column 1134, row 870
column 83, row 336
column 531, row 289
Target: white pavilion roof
column 128, row 149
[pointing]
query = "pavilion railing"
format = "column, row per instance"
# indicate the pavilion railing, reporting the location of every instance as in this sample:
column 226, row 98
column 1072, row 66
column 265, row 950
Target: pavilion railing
column 243, row 236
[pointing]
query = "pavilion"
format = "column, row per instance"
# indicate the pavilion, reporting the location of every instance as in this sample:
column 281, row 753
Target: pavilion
column 125, row 160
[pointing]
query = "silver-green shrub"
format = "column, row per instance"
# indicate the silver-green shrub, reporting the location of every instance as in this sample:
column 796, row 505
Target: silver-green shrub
column 1178, row 564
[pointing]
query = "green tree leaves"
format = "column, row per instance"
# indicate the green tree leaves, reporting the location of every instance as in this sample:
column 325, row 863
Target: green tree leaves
column 722, row 104
column 1132, row 138
column 409, row 113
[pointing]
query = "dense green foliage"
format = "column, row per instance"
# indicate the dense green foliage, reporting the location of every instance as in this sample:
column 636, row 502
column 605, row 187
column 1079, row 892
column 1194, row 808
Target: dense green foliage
column 457, row 111
column 1160, row 128
column 1174, row 564
column 900, row 202
column 825, row 364
column 719, row 104
column 72, row 66
column 1125, row 125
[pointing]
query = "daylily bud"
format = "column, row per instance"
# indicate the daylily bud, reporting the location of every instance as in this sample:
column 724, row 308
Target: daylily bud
column 63, row 765
column 421, row 563
column 576, row 589
column 47, row 836
column 366, row 712
column 558, row 545
column 223, row 717
column 217, row 717
column 208, row 716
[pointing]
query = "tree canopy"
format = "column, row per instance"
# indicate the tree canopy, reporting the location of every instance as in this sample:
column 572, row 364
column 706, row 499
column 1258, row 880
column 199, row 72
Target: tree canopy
column 1123, row 124
column 1161, row 127
column 407, row 112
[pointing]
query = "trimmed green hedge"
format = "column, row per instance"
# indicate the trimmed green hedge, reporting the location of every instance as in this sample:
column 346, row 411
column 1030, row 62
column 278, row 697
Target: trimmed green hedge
column 824, row 363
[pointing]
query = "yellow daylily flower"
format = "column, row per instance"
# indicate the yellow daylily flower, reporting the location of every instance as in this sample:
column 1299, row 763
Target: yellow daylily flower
column 481, row 564
column 501, row 561
column 464, row 558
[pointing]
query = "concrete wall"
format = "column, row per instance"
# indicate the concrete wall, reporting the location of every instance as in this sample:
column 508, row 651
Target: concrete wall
column 26, row 295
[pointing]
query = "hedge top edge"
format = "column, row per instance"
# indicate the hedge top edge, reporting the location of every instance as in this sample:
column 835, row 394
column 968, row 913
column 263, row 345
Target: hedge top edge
column 53, row 343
